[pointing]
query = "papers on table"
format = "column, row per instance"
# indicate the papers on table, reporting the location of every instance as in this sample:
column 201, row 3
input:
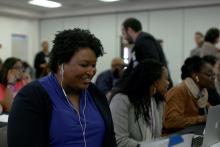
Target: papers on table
column 184, row 141
column 4, row 118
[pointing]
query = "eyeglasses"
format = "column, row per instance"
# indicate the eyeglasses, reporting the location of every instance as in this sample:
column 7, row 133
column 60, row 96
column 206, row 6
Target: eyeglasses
column 211, row 76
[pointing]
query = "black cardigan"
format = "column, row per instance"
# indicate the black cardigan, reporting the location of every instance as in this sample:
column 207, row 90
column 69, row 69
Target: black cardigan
column 30, row 115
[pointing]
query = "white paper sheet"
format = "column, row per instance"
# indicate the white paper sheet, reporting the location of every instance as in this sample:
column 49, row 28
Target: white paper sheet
column 4, row 118
column 164, row 142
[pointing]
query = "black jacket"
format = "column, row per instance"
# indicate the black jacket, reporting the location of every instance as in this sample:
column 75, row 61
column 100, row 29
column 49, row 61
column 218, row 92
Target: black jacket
column 29, row 118
column 147, row 47
column 39, row 59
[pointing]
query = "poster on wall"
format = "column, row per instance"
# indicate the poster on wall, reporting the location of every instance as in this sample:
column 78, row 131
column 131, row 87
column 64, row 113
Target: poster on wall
column 19, row 46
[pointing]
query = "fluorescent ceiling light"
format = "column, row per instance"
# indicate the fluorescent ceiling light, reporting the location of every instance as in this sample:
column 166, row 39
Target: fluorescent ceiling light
column 109, row 0
column 45, row 3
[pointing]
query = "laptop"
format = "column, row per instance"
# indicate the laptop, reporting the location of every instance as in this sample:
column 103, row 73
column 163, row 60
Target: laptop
column 212, row 128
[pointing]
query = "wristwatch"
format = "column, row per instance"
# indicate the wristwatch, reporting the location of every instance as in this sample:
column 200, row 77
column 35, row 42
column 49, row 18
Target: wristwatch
column 11, row 86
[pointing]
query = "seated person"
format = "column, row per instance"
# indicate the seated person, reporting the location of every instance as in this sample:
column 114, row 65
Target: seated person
column 186, row 103
column 137, row 106
column 214, row 97
column 106, row 80
column 10, row 81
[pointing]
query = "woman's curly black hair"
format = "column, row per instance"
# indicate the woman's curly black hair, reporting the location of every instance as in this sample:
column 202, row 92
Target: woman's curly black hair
column 137, row 86
column 192, row 65
column 68, row 42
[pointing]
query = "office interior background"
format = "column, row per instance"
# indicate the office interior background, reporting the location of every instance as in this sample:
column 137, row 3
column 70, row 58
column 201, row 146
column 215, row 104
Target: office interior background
column 23, row 27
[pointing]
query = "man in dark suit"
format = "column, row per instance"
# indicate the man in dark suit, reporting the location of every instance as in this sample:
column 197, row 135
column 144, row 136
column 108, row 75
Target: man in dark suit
column 145, row 45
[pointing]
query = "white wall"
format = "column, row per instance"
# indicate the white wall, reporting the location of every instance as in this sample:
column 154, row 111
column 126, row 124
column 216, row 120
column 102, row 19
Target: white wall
column 48, row 29
column 28, row 27
column 199, row 19
column 175, row 26
column 104, row 28
column 168, row 25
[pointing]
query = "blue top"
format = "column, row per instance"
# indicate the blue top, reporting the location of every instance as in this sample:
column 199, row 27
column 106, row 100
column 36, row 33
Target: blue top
column 65, row 128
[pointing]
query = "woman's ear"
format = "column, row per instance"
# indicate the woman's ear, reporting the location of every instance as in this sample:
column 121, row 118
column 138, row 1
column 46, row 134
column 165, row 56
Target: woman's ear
column 195, row 77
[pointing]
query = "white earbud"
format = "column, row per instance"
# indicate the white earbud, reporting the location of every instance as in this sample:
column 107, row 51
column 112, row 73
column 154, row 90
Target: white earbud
column 62, row 70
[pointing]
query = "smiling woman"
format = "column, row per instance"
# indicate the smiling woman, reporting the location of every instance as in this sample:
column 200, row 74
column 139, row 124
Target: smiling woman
column 64, row 108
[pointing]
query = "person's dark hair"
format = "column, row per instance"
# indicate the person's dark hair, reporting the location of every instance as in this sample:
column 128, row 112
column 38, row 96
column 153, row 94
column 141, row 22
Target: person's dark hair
column 210, row 59
column 137, row 86
column 211, row 35
column 7, row 65
column 132, row 23
column 191, row 65
column 68, row 42
column 25, row 64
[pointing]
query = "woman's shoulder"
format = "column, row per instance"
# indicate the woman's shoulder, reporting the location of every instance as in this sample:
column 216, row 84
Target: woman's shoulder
column 120, row 104
column 31, row 91
column 120, row 98
column 176, row 91
column 178, row 88
column 33, row 86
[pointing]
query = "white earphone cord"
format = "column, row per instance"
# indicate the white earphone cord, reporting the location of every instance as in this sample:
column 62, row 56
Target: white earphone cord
column 84, row 108
column 79, row 118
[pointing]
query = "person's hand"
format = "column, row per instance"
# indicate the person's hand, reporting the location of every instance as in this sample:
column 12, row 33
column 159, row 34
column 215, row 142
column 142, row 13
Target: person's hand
column 26, row 78
column 12, row 76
